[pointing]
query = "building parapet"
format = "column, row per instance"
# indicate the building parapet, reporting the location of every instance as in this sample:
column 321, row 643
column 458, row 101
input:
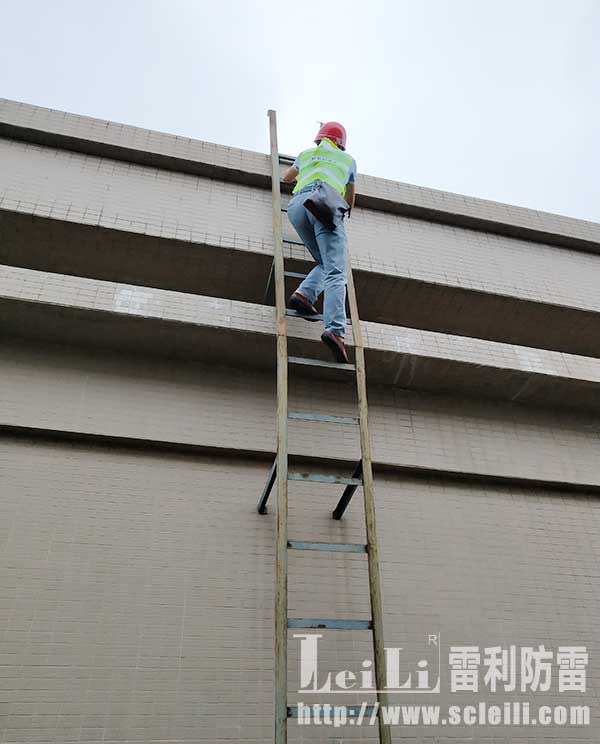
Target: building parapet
column 133, row 144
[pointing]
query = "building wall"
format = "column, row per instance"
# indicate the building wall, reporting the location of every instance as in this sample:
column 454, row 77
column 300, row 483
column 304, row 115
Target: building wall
column 137, row 588
column 59, row 388
column 99, row 191
column 137, row 427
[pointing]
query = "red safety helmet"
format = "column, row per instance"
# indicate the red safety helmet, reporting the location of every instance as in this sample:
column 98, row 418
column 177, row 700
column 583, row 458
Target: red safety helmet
column 334, row 131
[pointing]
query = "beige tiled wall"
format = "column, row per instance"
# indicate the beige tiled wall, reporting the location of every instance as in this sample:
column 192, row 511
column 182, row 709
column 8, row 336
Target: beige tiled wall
column 136, row 593
column 97, row 191
column 62, row 389
column 136, row 588
column 78, row 293
column 172, row 149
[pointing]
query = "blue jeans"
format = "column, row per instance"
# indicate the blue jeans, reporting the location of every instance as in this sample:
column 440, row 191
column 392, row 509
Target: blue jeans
column 329, row 252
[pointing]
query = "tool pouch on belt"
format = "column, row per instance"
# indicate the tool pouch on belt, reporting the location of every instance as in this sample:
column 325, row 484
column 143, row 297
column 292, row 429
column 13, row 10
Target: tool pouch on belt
column 327, row 205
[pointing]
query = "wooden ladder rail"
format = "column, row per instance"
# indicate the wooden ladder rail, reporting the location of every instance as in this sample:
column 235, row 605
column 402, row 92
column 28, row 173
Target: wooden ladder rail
column 385, row 736
column 281, row 549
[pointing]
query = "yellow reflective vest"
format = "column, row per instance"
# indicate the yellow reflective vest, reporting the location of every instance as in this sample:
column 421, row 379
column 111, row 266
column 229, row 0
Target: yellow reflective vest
column 327, row 163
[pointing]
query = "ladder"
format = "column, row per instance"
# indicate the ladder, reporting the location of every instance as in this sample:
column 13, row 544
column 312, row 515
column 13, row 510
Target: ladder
column 279, row 475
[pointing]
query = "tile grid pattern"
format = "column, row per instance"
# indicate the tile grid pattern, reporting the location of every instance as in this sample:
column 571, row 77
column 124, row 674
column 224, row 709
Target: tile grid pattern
column 136, row 589
column 130, row 300
column 142, row 200
column 48, row 120
column 60, row 389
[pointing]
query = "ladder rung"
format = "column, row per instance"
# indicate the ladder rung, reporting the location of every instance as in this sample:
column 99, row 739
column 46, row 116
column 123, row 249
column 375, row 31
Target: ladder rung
column 353, row 710
column 295, row 314
column 332, row 624
column 292, row 241
column 318, row 478
column 295, row 275
column 327, row 547
column 324, row 417
column 320, row 363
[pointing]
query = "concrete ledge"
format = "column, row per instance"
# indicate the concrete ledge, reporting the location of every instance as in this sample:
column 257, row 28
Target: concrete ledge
column 107, row 139
column 61, row 308
column 326, row 464
column 238, row 269
column 115, row 393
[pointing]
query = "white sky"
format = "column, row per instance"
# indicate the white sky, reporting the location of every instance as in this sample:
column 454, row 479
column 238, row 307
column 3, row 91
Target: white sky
column 493, row 98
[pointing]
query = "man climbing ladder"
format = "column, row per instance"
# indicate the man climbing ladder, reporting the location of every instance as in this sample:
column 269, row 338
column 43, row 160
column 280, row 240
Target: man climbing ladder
column 330, row 207
column 324, row 194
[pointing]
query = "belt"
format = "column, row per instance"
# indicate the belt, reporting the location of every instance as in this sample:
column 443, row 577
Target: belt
column 311, row 187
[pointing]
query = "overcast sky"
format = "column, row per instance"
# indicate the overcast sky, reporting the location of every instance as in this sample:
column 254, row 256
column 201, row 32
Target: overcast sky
column 493, row 98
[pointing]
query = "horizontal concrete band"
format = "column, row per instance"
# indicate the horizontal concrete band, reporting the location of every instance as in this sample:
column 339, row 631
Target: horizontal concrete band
column 48, row 197
column 342, row 467
column 70, row 213
column 108, row 139
column 122, row 393
column 42, row 233
column 538, row 315
column 62, row 308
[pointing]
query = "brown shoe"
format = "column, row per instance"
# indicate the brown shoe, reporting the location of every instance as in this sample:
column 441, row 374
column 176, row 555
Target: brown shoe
column 336, row 344
column 302, row 306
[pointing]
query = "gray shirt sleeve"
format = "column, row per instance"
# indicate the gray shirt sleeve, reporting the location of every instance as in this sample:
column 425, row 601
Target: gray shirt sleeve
column 296, row 163
column 352, row 174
